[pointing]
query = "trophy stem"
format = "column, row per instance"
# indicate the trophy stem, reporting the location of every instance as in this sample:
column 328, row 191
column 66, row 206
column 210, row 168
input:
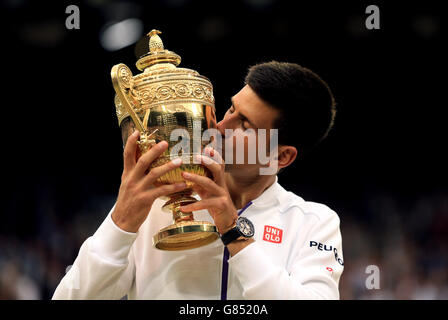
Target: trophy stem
column 177, row 200
column 179, row 216
column 185, row 232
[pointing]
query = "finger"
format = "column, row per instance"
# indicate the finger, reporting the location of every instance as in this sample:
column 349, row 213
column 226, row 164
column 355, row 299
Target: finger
column 145, row 160
column 157, row 172
column 203, row 194
column 214, row 154
column 203, row 182
column 200, row 205
column 130, row 151
column 167, row 189
column 215, row 168
column 200, row 191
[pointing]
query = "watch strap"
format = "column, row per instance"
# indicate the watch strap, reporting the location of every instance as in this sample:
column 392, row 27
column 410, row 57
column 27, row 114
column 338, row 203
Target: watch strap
column 230, row 236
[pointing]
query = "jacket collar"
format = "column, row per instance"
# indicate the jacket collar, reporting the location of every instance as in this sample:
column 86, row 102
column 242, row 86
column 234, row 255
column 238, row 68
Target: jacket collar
column 277, row 196
column 270, row 196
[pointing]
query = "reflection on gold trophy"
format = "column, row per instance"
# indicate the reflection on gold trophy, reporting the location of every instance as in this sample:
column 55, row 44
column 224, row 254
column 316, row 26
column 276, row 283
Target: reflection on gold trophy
column 157, row 101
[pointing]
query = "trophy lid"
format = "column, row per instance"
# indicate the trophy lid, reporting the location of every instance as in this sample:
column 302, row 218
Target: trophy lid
column 157, row 53
column 160, row 83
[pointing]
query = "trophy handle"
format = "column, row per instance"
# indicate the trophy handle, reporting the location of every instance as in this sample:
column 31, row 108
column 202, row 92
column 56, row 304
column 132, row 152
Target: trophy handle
column 122, row 82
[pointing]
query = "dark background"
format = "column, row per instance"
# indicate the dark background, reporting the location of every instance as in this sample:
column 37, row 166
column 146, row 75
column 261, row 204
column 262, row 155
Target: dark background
column 382, row 168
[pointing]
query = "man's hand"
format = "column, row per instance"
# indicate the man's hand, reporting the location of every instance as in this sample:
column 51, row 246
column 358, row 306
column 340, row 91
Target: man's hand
column 214, row 194
column 216, row 199
column 137, row 192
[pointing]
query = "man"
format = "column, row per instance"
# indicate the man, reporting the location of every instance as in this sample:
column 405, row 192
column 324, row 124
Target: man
column 296, row 251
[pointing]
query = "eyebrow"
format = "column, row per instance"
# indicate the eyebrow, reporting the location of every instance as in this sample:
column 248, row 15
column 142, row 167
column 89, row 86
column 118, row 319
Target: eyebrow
column 242, row 116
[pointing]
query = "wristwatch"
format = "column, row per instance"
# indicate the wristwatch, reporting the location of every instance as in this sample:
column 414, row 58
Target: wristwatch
column 243, row 230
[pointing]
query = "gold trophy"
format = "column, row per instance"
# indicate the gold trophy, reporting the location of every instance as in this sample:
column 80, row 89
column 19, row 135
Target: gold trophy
column 157, row 101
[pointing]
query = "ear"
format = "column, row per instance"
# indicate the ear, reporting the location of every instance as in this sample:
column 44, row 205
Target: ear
column 286, row 156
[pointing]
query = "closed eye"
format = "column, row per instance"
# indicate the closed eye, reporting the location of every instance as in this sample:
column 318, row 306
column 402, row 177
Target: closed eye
column 241, row 118
column 244, row 123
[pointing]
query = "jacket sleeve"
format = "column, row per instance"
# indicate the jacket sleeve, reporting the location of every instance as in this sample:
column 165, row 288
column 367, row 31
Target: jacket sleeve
column 104, row 267
column 314, row 273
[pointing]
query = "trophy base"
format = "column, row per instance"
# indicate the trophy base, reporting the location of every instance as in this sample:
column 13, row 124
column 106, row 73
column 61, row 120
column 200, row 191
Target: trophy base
column 185, row 235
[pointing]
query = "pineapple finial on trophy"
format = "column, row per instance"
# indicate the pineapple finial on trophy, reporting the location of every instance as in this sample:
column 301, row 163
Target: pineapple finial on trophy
column 157, row 57
column 155, row 43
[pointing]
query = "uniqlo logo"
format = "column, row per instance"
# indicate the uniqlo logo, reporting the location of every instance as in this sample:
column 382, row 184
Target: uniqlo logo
column 272, row 234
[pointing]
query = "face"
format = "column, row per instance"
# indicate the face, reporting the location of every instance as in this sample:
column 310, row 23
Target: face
column 245, row 117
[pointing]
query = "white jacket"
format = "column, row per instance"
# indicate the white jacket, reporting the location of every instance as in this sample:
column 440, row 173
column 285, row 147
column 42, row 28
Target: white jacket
column 297, row 254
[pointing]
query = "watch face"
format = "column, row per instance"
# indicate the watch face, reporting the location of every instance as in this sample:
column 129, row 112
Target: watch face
column 245, row 227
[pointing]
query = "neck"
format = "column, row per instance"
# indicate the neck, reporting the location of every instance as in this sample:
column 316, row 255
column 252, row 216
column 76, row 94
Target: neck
column 245, row 189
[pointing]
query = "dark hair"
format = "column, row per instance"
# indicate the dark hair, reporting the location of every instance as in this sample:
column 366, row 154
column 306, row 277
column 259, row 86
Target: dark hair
column 305, row 102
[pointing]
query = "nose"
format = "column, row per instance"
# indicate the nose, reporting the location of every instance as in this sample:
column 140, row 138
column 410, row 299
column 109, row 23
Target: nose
column 221, row 126
column 224, row 124
column 228, row 122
